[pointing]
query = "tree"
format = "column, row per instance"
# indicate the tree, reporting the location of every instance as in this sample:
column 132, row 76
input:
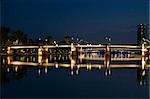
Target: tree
column 49, row 40
column 4, row 32
column 67, row 39
column 20, row 36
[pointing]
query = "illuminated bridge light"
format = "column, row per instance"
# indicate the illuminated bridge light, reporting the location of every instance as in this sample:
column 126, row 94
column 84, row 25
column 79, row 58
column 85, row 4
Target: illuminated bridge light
column 8, row 50
column 39, row 71
column 4, row 60
column 87, row 66
column 72, row 72
column 8, row 60
column 77, row 72
column 78, row 66
column 109, row 71
column 143, row 73
column 16, row 68
column 100, row 66
column 90, row 67
column 45, row 70
column 56, row 65
column 8, row 69
column 106, row 74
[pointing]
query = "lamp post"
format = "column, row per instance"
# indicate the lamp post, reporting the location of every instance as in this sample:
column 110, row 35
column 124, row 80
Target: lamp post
column 55, row 42
column 108, row 39
column 108, row 55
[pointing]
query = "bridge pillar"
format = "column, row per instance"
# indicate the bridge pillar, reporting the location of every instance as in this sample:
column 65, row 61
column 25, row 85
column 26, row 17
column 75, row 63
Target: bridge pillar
column 80, row 54
column 107, row 60
column 46, row 60
column 46, row 49
column 108, row 50
column 9, row 51
column 141, row 76
column 144, row 50
column 73, row 62
column 107, row 64
column 40, row 55
column 9, row 58
column 40, row 51
column 73, row 49
column 39, row 59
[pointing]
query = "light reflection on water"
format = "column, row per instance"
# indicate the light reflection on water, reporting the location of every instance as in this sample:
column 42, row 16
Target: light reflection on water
column 64, row 76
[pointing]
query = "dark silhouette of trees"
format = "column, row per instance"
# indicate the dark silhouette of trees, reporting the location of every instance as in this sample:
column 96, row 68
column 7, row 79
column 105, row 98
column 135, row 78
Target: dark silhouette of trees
column 8, row 38
column 49, row 40
column 67, row 39
column 44, row 41
column 4, row 34
column 20, row 36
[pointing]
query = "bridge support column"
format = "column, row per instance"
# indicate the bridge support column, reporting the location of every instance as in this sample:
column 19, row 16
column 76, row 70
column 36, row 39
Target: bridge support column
column 40, row 51
column 46, row 60
column 73, row 49
column 73, row 62
column 46, row 49
column 108, row 50
column 143, row 50
column 143, row 57
column 141, row 76
column 9, row 58
column 40, row 55
column 9, row 51
column 107, row 60
column 143, row 63
column 80, row 54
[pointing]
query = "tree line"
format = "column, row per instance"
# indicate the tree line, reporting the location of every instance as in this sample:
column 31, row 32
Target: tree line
column 18, row 37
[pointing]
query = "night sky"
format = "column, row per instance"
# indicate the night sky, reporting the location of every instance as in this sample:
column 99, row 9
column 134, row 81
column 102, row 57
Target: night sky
column 90, row 20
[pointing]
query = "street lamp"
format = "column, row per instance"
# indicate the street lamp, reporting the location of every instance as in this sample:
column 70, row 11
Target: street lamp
column 72, row 38
column 55, row 42
column 39, row 39
column 108, row 39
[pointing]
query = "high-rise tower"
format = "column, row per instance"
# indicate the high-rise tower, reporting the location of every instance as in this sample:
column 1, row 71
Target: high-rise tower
column 141, row 34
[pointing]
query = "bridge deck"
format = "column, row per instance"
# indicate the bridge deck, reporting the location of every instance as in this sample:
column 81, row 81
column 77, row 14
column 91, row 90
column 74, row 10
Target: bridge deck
column 78, row 46
column 18, row 63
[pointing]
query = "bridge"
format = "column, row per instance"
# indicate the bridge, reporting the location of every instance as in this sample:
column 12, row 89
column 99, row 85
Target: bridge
column 79, row 48
column 107, row 62
column 75, row 67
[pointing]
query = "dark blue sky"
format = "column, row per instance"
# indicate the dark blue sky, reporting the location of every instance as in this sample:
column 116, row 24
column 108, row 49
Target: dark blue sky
column 88, row 19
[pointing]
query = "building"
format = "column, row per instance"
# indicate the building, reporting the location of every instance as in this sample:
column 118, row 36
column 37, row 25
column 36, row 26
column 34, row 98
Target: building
column 141, row 34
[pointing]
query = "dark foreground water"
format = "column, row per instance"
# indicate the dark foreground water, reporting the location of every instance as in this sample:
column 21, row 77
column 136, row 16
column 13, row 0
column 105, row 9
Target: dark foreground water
column 62, row 82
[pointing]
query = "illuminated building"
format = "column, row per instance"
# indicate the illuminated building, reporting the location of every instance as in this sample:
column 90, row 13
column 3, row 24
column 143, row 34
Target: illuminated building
column 141, row 34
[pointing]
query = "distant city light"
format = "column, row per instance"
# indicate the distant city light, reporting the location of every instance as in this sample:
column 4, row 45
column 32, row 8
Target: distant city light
column 54, row 42
column 39, row 39
column 46, row 40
